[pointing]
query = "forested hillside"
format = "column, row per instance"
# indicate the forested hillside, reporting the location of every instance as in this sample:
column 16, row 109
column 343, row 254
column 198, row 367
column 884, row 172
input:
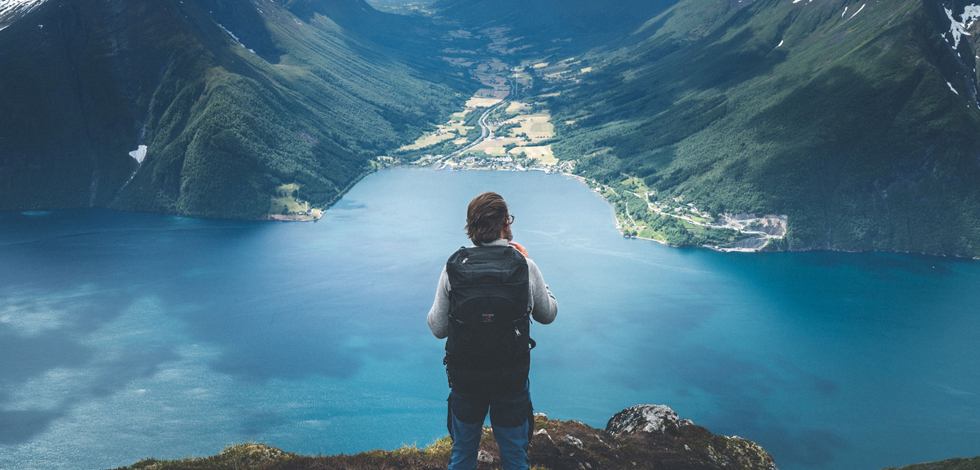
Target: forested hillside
column 232, row 99
column 547, row 26
column 858, row 120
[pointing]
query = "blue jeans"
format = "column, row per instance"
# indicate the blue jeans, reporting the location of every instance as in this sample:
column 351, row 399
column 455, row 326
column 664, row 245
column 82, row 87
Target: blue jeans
column 512, row 419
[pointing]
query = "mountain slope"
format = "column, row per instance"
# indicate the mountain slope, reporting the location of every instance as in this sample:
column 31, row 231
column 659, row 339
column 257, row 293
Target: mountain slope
column 547, row 25
column 856, row 119
column 233, row 99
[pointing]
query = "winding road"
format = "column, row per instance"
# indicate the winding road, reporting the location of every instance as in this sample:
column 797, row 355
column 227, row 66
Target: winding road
column 484, row 130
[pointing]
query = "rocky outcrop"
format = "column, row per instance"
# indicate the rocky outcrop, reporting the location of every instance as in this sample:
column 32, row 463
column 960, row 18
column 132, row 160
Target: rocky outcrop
column 643, row 436
column 645, row 418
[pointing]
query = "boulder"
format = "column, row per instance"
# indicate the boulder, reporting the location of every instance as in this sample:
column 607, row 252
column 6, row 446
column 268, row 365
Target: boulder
column 645, row 418
column 573, row 441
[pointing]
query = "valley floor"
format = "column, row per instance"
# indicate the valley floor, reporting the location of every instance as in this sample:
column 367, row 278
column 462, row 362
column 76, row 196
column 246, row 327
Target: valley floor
column 505, row 127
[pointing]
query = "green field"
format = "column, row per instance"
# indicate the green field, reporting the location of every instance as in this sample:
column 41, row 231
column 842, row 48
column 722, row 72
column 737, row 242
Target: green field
column 285, row 200
column 536, row 127
column 433, row 138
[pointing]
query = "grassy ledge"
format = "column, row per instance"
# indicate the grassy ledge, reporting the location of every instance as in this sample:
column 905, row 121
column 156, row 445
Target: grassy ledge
column 556, row 445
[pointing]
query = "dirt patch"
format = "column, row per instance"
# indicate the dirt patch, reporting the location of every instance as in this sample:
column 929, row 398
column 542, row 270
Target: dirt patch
column 482, row 102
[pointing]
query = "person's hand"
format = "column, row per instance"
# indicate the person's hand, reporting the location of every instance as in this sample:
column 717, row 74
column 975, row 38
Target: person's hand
column 518, row 247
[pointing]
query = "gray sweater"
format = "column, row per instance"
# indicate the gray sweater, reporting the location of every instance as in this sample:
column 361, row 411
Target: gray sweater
column 544, row 307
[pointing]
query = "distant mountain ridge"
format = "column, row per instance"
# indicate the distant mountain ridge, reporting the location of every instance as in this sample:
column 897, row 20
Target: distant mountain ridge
column 856, row 119
column 233, row 99
column 570, row 25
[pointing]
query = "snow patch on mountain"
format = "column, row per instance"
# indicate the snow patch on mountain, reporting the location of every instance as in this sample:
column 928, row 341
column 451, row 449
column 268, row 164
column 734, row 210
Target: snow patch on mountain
column 139, row 154
column 958, row 28
column 235, row 38
column 10, row 8
column 950, row 85
column 859, row 10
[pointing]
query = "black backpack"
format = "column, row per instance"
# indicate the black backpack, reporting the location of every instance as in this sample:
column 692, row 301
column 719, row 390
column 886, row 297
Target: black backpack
column 488, row 350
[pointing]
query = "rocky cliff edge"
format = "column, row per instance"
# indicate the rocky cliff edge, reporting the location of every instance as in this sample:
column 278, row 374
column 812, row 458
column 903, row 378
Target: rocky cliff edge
column 642, row 436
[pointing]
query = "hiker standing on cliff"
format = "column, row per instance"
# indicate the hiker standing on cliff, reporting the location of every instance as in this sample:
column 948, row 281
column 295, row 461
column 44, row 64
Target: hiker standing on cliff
column 486, row 298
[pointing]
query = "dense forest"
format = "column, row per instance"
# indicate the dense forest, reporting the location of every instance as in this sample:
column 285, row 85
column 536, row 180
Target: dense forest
column 231, row 99
column 859, row 121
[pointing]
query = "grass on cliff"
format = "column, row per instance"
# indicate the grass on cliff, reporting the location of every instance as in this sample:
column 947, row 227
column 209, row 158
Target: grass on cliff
column 251, row 455
column 951, row 464
column 556, row 445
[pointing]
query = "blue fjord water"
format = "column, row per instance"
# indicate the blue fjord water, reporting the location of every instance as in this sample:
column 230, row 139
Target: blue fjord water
column 125, row 336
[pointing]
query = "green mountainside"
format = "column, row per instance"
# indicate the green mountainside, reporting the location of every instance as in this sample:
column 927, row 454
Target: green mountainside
column 233, row 100
column 551, row 25
column 857, row 120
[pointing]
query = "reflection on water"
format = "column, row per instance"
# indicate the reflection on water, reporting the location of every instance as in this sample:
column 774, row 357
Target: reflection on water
column 124, row 336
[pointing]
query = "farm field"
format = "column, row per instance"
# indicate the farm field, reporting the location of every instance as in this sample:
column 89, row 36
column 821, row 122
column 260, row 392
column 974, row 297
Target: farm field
column 518, row 129
column 432, row 138
column 541, row 153
column 516, row 107
column 482, row 102
column 536, row 127
column 286, row 205
column 453, row 130
column 494, row 147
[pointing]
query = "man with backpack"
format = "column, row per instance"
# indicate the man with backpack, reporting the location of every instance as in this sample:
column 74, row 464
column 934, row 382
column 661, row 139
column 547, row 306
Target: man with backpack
column 487, row 296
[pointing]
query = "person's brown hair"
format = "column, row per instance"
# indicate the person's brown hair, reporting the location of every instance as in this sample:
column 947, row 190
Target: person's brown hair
column 486, row 217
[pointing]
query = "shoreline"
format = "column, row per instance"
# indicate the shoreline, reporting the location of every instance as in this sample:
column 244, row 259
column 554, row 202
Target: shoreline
column 441, row 166
column 709, row 247
column 269, row 218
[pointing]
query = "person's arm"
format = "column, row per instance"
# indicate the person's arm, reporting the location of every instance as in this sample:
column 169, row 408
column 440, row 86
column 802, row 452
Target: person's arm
column 438, row 318
column 544, row 307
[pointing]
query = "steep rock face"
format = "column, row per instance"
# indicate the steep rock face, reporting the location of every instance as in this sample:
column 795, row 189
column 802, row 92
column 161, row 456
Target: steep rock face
column 231, row 99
